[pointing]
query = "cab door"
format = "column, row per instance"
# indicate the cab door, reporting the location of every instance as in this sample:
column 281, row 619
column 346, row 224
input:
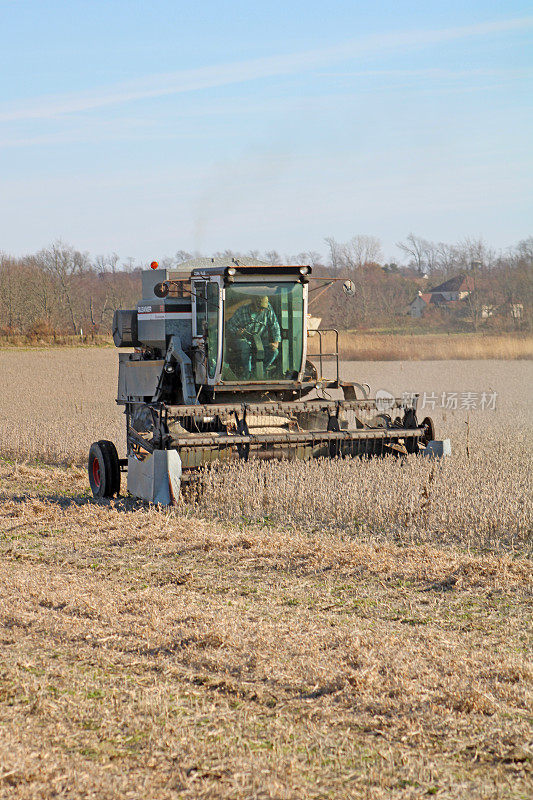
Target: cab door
column 199, row 308
column 207, row 338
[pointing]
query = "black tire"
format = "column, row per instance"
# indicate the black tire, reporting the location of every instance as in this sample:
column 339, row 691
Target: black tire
column 115, row 464
column 410, row 421
column 429, row 430
column 104, row 469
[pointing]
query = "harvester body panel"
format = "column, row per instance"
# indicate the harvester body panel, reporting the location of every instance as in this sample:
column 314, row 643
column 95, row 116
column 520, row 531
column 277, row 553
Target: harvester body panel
column 159, row 318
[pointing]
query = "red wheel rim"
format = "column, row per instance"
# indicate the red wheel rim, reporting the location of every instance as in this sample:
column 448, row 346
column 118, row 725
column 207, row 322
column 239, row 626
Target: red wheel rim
column 96, row 472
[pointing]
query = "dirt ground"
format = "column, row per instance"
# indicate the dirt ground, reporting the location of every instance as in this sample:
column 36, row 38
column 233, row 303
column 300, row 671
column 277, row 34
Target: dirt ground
column 147, row 654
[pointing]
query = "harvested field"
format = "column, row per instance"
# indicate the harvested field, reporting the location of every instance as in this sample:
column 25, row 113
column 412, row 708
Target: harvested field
column 343, row 630
column 55, row 402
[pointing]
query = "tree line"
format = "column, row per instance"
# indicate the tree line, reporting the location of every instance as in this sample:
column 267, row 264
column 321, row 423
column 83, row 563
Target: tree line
column 61, row 290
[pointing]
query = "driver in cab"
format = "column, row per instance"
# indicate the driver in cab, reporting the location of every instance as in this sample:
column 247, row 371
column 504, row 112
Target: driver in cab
column 255, row 318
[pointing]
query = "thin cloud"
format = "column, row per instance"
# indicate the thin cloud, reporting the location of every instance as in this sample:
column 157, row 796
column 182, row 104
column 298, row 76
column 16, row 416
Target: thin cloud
column 426, row 72
column 244, row 71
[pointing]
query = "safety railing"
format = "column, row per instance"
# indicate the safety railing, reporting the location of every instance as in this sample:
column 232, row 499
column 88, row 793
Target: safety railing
column 322, row 355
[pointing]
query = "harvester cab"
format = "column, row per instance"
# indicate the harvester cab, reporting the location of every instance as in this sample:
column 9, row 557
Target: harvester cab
column 219, row 330
column 249, row 327
column 217, row 369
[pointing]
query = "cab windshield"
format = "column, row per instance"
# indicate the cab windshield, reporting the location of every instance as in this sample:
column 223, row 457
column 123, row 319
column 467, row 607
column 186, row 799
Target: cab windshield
column 263, row 332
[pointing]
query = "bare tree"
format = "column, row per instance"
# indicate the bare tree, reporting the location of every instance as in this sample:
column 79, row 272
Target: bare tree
column 335, row 253
column 357, row 259
column 361, row 251
column 310, row 257
column 524, row 251
column 272, row 257
column 476, row 297
column 63, row 263
column 183, row 255
column 447, row 258
column 107, row 263
column 475, row 252
column 431, row 256
column 8, row 291
column 60, row 286
column 514, row 278
column 129, row 264
column 416, row 249
column 42, row 291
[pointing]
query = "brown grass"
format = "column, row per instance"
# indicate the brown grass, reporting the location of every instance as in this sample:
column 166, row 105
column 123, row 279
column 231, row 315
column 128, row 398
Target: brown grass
column 40, row 337
column 342, row 630
column 353, row 346
column 427, row 347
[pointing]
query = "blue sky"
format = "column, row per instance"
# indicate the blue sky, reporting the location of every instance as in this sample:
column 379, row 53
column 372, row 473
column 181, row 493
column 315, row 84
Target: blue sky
column 148, row 127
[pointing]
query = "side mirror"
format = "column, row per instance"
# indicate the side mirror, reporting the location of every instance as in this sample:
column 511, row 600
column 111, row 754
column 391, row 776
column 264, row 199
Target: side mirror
column 161, row 289
column 348, row 287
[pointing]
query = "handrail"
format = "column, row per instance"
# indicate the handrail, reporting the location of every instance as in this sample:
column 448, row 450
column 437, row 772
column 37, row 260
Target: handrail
column 322, row 355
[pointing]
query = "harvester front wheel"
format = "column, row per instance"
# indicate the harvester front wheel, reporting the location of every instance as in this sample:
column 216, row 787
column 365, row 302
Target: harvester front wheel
column 104, row 469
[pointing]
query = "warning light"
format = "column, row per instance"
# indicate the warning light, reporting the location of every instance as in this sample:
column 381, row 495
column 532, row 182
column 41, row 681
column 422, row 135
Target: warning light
column 154, row 265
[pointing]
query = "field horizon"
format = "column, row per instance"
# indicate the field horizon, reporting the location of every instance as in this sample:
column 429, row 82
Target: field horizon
column 356, row 345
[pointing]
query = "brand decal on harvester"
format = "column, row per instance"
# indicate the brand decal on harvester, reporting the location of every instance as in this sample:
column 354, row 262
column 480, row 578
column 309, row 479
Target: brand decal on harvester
column 165, row 311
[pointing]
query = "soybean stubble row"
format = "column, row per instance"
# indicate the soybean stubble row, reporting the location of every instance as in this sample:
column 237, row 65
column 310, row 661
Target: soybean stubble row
column 56, row 402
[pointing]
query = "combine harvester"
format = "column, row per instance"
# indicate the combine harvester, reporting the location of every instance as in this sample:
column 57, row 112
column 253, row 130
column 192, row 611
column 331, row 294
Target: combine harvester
column 219, row 371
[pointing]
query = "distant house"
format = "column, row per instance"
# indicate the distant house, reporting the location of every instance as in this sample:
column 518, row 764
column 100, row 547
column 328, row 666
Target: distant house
column 445, row 294
column 453, row 289
column 419, row 304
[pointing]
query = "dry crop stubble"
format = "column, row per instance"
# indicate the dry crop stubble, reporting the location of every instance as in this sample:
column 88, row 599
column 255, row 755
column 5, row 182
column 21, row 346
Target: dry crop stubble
column 144, row 652
column 481, row 497
column 374, row 645
column 58, row 401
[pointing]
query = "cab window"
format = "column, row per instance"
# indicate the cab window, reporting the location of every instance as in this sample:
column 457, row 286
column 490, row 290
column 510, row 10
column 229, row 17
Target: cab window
column 263, row 332
column 212, row 328
column 201, row 321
